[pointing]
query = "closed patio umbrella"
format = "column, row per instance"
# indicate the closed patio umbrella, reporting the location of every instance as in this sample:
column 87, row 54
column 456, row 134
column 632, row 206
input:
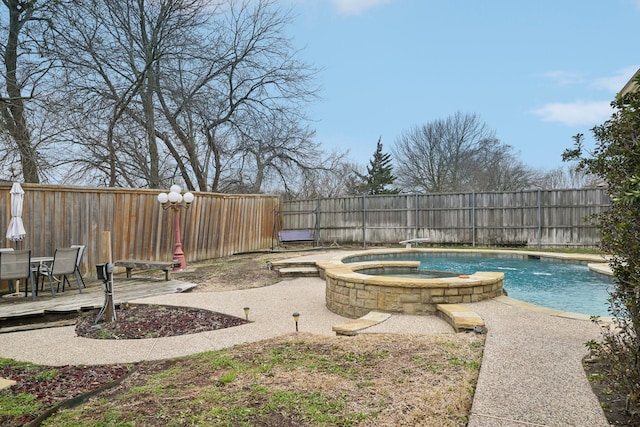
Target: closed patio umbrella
column 16, row 231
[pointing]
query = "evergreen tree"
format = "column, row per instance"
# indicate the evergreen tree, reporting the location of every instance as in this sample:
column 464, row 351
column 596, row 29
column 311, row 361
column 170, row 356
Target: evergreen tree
column 379, row 174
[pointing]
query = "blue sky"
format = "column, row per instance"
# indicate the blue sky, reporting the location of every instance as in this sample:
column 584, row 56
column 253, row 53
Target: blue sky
column 535, row 72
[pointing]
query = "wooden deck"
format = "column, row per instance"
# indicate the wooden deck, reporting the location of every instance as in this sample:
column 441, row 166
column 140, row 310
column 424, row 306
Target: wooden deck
column 14, row 308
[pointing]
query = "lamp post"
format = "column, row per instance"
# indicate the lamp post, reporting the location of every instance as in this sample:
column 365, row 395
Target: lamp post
column 175, row 201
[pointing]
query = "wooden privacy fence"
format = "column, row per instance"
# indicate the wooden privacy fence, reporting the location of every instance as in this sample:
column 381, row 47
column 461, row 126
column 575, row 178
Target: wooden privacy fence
column 549, row 218
column 215, row 225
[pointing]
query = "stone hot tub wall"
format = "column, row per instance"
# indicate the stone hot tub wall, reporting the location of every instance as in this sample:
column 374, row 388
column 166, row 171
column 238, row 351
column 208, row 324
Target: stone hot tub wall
column 352, row 294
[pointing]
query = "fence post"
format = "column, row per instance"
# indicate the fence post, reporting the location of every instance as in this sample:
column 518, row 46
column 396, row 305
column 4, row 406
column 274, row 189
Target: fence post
column 364, row 220
column 539, row 218
column 473, row 218
column 317, row 225
column 416, row 220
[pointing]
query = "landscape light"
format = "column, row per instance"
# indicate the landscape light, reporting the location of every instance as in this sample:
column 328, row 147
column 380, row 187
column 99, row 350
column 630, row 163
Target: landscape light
column 296, row 317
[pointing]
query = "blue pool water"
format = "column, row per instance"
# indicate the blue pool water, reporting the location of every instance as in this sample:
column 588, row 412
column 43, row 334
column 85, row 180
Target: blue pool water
column 557, row 284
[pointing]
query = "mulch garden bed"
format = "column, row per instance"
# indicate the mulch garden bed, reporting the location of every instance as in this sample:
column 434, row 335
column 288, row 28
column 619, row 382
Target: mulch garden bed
column 136, row 321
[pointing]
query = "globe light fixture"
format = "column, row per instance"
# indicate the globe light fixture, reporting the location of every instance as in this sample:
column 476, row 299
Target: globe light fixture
column 175, row 201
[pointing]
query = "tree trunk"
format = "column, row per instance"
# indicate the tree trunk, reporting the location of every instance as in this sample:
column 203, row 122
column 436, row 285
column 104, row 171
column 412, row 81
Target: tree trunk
column 13, row 106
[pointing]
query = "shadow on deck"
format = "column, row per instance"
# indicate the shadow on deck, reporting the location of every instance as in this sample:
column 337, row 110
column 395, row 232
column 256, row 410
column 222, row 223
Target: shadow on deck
column 19, row 313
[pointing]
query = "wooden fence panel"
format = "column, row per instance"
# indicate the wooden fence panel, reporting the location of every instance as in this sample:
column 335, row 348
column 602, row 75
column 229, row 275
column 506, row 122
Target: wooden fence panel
column 536, row 218
column 215, row 225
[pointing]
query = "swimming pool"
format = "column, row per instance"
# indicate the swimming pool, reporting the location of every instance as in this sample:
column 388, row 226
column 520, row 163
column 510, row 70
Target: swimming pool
column 558, row 284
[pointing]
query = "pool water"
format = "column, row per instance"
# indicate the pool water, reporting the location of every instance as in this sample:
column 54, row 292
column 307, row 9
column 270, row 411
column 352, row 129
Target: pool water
column 557, row 284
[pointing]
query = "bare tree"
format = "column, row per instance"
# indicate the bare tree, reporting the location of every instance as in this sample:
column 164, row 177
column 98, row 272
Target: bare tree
column 274, row 148
column 569, row 176
column 23, row 69
column 111, row 53
column 496, row 167
column 173, row 89
column 458, row 153
column 334, row 177
column 256, row 92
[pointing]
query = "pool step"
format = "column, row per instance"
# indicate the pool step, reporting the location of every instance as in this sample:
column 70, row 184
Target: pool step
column 461, row 317
column 300, row 271
column 352, row 327
column 295, row 269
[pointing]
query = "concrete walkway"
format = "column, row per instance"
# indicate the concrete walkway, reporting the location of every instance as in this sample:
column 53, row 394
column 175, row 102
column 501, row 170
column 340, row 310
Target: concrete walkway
column 531, row 373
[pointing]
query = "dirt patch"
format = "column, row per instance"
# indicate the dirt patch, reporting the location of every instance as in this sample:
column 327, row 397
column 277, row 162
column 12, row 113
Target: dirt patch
column 136, row 321
column 612, row 401
column 234, row 273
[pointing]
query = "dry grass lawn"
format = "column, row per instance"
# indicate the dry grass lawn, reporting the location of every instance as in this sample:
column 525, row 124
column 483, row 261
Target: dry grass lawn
column 300, row 380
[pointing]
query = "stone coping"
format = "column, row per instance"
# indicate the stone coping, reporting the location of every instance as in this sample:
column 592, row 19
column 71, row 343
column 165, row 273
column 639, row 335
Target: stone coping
column 350, row 273
column 593, row 258
column 600, row 267
column 336, row 267
column 550, row 311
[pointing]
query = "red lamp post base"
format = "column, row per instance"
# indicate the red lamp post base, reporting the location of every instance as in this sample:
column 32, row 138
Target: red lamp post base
column 178, row 255
column 179, row 259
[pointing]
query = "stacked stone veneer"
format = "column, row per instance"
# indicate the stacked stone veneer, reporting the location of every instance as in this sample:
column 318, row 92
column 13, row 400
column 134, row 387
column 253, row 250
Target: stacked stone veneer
column 353, row 294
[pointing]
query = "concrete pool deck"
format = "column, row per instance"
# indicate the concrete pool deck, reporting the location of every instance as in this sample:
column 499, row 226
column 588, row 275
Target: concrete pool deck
column 531, row 373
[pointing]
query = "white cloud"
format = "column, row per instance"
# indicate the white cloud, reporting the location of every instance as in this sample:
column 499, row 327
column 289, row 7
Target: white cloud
column 615, row 82
column 589, row 113
column 612, row 83
column 564, row 78
column 584, row 112
column 356, row 7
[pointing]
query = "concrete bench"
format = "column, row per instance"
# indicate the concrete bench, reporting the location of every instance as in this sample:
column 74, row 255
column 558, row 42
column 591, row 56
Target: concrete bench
column 352, row 327
column 408, row 242
column 460, row 317
column 130, row 264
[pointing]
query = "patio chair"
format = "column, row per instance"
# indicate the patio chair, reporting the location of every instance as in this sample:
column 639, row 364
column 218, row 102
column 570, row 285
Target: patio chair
column 64, row 264
column 81, row 249
column 16, row 265
column 12, row 288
